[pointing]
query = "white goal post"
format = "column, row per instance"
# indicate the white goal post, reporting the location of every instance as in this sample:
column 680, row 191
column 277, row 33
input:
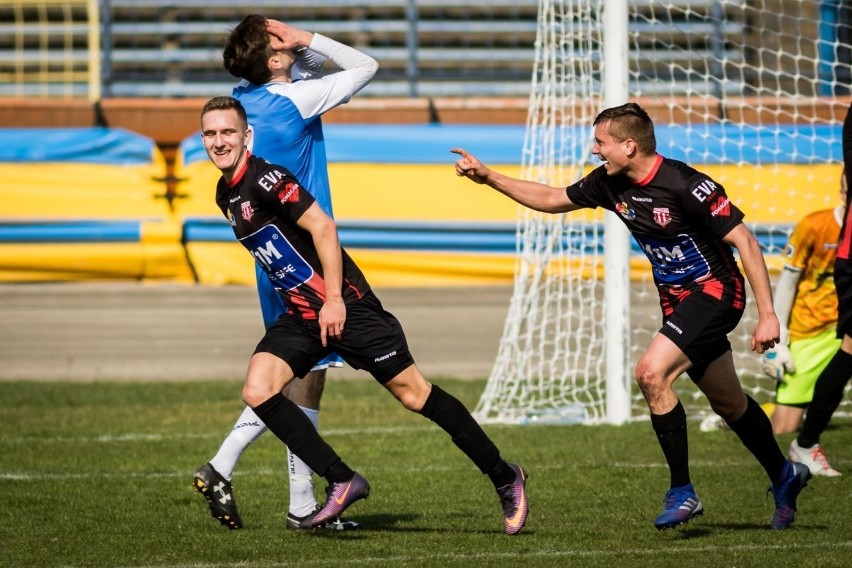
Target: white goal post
column 751, row 92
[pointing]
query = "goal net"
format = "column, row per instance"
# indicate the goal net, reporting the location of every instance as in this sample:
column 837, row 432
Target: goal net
column 751, row 92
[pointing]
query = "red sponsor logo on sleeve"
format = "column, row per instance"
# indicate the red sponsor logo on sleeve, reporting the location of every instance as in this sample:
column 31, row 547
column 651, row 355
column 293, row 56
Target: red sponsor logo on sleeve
column 721, row 208
column 290, row 193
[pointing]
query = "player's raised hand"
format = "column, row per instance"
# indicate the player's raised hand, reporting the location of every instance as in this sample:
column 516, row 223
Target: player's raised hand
column 468, row 166
column 284, row 36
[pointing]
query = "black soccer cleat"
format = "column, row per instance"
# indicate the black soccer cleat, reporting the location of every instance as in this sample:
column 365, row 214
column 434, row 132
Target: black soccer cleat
column 219, row 495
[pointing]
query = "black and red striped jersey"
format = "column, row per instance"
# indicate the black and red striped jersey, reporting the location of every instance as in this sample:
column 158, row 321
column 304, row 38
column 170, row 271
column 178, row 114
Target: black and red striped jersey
column 678, row 216
column 263, row 204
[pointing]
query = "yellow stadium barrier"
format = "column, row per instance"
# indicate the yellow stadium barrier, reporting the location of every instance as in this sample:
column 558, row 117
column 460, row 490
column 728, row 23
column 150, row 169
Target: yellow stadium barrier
column 80, row 220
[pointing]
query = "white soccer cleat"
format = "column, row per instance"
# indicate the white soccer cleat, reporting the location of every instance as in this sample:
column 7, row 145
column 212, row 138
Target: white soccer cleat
column 814, row 458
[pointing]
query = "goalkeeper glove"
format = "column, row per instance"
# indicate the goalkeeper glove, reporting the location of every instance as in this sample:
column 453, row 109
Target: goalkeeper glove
column 778, row 361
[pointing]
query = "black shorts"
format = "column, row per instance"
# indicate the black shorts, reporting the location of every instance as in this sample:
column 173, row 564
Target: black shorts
column 843, row 284
column 372, row 340
column 699, row 326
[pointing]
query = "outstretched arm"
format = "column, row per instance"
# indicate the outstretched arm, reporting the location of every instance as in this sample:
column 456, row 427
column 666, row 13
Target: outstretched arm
column 767, row 332
column 538, row 196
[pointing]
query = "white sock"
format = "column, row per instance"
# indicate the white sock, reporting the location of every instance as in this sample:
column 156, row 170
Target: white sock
column 302, row 498
column 246, row 430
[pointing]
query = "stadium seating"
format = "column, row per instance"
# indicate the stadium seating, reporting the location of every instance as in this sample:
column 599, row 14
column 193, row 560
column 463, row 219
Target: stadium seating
column 428, row 48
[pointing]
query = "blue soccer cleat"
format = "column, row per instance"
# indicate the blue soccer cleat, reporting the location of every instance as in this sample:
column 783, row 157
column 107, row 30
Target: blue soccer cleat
column 795, row 477
column 680, row 505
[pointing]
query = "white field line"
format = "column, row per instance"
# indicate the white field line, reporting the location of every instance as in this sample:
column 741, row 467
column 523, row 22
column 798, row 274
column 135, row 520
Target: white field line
column 121, row 438
column 130, row 438
column 265, row 472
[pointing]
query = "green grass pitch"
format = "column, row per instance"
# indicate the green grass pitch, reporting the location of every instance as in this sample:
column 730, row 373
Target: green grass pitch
column 99, row 474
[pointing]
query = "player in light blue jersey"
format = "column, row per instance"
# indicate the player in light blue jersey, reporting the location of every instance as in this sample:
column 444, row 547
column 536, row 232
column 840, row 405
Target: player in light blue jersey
column 285, row 97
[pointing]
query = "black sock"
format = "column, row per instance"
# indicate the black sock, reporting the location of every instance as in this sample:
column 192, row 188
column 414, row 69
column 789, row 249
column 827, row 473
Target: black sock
column 447, row 412
column 754, row 429
column 671, row 433
column 828, row 392
column 289, row 423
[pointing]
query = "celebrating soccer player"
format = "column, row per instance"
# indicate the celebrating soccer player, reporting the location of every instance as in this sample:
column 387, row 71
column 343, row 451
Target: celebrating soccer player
column 285, row 98
column 686, row 225
column 296, row 244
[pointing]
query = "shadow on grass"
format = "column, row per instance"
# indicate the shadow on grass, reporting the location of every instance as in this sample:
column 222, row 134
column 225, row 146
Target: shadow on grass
column 712, row 529
column 370, row 525
column 374, row 525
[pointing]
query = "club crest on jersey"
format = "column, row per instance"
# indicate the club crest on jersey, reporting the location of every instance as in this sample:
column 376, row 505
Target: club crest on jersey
column 247, row 211
column 625, row 211
column 662, row 216
column 290, row 193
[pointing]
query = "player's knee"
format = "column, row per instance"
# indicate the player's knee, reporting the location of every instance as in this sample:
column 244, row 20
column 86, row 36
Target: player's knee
column 649, row 377
column 250, row 397
column 255, row 394
column 410, row 388
column 412, row 400
column 730, row 408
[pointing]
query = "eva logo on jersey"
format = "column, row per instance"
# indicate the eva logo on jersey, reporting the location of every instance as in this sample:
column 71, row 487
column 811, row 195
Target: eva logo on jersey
column 704, row 190
column 270, row 180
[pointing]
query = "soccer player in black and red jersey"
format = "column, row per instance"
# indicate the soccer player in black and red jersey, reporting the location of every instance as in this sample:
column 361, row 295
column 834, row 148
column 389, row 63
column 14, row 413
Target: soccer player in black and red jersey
column 333, row 308
column 686, row 225
column 830, row 385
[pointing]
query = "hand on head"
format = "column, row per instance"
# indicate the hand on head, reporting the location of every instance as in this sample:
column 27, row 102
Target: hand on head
column 284, row 36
